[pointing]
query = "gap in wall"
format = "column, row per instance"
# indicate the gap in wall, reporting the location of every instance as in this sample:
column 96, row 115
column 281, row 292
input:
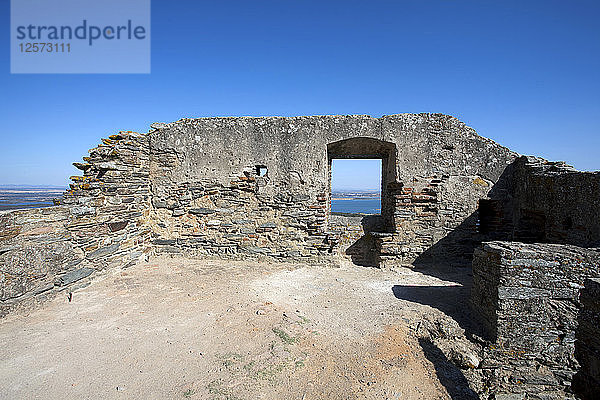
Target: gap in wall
column 356, row 186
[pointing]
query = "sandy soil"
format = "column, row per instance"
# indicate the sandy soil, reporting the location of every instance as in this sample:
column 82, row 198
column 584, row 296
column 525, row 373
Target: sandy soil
column 179, row 328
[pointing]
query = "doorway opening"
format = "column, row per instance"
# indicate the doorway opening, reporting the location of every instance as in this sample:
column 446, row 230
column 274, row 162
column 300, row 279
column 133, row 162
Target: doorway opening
column 361, row 171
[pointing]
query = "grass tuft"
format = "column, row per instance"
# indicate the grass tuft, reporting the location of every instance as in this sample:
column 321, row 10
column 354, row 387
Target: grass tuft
column 285, row 338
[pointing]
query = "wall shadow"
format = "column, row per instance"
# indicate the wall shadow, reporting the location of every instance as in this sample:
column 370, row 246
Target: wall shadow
column 450, row 259
column 363, row 252
column 455, row 249
column 493, row 220
column 448, row 374
column 585, row 382
column 453, row 301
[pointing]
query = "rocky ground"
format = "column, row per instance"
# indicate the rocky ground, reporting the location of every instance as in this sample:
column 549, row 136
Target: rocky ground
column 179, row 328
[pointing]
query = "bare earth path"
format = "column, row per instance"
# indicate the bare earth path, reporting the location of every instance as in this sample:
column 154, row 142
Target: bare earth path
column 179, row 328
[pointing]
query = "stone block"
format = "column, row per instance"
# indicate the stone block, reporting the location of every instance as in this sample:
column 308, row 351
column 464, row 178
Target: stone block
column 201, row 211
column 73, row 276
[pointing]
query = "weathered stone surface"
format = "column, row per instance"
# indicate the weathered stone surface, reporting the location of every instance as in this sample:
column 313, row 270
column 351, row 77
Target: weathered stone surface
column 255, row 250
column 6, row 249
column 431, row 182
column 586, row 382
column 117, row 226
column 82, row 166
column 509, row 396
column 73, row 276
column 158, row 125
column 544, row 202
column 527, row 296
column 163, row 242
column 201, row 211
column 82, row 211
column 103, row 251
column 39, row 250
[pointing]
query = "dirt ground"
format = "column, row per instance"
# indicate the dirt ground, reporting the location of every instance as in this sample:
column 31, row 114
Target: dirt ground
column 176, row 328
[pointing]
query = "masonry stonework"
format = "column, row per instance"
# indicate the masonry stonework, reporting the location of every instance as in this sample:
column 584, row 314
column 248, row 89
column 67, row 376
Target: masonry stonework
column 210, row 198
column 528, row 298
column 101, row 223
column 587, row 346
column 526, row 287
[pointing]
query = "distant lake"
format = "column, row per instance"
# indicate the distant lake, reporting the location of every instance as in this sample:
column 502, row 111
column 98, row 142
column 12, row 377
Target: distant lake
column 363, row 206
column 12, row 198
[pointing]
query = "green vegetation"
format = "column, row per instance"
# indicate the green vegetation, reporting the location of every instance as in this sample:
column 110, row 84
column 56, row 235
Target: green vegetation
column 285, row 338
column 216, row 389
column 230, row 359
column 270, row 373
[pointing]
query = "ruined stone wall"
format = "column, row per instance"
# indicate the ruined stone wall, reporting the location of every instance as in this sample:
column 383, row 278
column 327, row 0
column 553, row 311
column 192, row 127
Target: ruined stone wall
column 527, row 296
column 241, row 186
column 37, row 256
column 102, row 222
column 587, row 347
column 258, row 187
column 110, row 204
column 555, row 203
column 544, row 202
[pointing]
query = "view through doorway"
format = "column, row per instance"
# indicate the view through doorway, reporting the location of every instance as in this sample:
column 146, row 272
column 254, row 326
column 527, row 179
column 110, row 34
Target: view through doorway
column 356, row 186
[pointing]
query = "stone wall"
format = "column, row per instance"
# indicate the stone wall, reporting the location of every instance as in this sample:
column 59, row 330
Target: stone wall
column 587, row 347
column 261, row 186
column 102, row 222
column 544, row 202
column 110, row 204
column 556, row 204
column 527, row 296
column 37, row 257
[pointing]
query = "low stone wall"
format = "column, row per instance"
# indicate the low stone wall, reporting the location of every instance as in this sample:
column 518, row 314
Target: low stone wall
column 102, row 222
column 587, row 346
column 527, row 296
column 37, row 257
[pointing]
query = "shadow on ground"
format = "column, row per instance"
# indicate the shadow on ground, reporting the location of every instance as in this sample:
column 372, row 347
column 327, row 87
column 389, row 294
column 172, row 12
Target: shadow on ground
column 448, row 374
column 364, row 252
column 451, row 300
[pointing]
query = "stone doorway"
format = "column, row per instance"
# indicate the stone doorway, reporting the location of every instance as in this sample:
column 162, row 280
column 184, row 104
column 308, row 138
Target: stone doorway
column 355, row 232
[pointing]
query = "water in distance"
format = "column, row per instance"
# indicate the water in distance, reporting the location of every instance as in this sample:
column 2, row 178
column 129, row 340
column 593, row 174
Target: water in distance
column 356, row 202
column 14, row 197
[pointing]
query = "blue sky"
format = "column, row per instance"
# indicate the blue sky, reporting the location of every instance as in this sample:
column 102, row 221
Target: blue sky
column 525, row 74
column 355, row 174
